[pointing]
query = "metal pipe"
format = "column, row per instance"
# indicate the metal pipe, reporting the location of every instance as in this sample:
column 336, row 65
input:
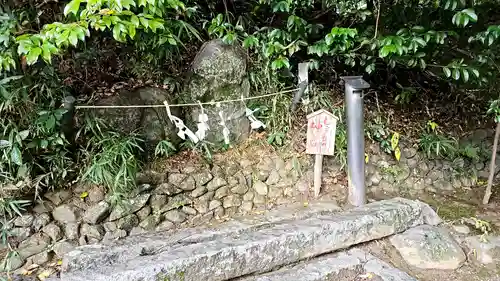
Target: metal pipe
column 354, row 86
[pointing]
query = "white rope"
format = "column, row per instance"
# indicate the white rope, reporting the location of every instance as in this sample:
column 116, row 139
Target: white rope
column 182, row 104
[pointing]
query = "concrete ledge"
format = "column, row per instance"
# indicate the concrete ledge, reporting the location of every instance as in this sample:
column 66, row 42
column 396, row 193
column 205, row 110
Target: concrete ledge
column 227, row 255
column 345, row 266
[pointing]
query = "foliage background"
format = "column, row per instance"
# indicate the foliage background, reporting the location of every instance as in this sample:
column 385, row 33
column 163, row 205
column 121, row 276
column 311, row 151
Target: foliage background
column 410, row 51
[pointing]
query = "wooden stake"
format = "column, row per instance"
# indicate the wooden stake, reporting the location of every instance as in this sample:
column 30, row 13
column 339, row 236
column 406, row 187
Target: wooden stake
column 318, row 171
column 488, row 192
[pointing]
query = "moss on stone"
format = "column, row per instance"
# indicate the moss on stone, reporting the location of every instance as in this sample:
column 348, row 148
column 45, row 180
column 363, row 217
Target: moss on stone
column 449, row 209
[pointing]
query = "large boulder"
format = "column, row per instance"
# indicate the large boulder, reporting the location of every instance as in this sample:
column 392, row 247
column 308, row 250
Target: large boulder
column 152, row 124
column 218, row 73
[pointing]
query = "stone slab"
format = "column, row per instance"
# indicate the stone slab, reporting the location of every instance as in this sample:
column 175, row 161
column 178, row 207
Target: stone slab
column 212, row 257
column 351, row 265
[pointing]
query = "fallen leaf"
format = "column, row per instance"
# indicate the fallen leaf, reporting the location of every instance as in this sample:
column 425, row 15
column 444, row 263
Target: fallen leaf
column 84, row 195
column 45, row 274
column 368, row 275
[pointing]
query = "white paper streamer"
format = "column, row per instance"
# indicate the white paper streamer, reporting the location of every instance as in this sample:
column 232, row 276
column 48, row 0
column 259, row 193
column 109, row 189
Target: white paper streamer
column 183, row 130
column 202, row 124
column 225, row 130
column 254, row 122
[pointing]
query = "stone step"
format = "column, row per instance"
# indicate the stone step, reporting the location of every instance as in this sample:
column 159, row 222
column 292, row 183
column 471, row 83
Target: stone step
column 351, row 265
column 240, row 248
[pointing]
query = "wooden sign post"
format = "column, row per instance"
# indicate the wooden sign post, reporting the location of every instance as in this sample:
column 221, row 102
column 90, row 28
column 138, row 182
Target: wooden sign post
column 321, row 129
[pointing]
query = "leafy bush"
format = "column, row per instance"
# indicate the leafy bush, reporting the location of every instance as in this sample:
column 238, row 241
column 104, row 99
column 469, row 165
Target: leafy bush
column 435, row 144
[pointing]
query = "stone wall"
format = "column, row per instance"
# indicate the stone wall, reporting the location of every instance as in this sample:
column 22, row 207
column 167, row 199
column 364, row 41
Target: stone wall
column 188, row 193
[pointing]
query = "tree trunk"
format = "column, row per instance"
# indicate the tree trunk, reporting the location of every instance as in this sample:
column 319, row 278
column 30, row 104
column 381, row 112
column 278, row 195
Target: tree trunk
column 487, row 194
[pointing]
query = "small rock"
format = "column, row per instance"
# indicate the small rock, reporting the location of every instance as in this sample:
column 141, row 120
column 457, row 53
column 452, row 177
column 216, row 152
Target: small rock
column 199, row 191
column 35, row 244
column 219, row 212
column 231, row 201
column 231, row 211
column 137, row 230
column 239, row 189
column 232, row 181
column 96, row 194
column 201, row 203
column 429, row 247
column 96, row 213
column 25, row 220
column 71, row 230
column 216, row 183
column 262, row 175
column 141, row 189
column 82, row 241
column 188, row 184
column 150, row 222
column 486, row 250
column 275, row 192
column 203, row 178
column 40, row 258
column 189, row 169
column 53, row 231
column 189, row 210
column 115, row 235
column 175, row 216
column 11, row 263
column 260, row 188
column 158, row 201
column 166, row 225
column 57, row 197
column 40, row 221
column 176, row 202
column 222, row 192
column 246, row 206
column 128, row 222
column 63, row 247
column 144, row 212
column 110, row 226
column 274, row 178
column 21, row 233
column 65, row 214
column 214, row 204
column 248, row 196
column 43, row 207
column 259, row 199
column 462, row 229
column 176, row 179
column 92, row 231
column 202, row 218
column 167, row 189
column 129, row 207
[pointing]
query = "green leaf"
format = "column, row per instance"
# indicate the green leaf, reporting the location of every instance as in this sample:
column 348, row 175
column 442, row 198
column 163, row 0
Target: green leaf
column 447, row 71
column 24, row 134
column 72, row 7
column 135, row 20
column 456, row 74
column 465, row 74
column 15, row 156
column 51, row 122
column 471, row 14
column 32, row 56
column 73, row 38
column 475, row 72
column 370, row 68
column 116, row 32
column 420, row 41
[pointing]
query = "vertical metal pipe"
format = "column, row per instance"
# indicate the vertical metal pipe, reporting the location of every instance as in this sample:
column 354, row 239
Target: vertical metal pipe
column 355, row 139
